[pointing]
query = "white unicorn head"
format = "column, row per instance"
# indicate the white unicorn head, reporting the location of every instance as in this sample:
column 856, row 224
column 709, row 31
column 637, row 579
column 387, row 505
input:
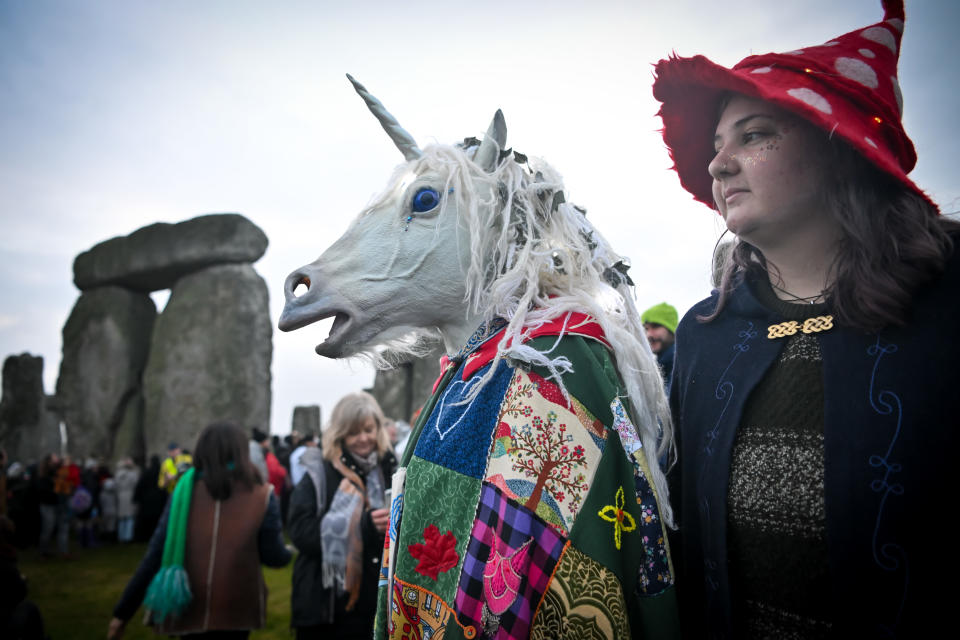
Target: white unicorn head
column 464, row 234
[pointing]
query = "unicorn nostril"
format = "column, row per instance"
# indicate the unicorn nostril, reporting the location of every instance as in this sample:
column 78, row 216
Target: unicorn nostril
column 301, row 287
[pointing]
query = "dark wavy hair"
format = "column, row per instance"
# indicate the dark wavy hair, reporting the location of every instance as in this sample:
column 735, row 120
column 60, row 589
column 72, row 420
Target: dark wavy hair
column 222, row 460
column 893, row 241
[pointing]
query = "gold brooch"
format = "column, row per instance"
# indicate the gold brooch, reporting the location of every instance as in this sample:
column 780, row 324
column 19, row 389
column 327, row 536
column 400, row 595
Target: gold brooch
column 810, row 325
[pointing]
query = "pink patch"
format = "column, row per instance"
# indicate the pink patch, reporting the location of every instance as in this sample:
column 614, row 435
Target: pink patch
column 499, row 482
column 503, row 574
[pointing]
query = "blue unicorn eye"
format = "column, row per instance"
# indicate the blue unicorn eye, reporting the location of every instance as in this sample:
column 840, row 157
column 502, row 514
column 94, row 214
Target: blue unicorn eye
column 425, row 199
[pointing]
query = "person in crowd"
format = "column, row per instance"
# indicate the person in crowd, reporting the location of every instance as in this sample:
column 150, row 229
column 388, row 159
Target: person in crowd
column 174, row 465
column 85, row 504
column 150, row 500
column 399, row 433
column 108, row 508
column 53, row 492
column 660, row 324
column 276, row 473
column 20, row 618
column 232, row 525
column 280, row 449
column 308, row 441
column 126, row 480
column 259, row 442
column 23, row 507
column 813, row 393
column 338, row 517
column 291, row 442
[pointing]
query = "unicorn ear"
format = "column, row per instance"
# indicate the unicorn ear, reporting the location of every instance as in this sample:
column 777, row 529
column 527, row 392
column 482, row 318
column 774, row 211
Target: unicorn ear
column 488, row 155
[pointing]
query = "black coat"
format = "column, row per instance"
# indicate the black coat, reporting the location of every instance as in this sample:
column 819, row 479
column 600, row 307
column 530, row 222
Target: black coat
column 891, row 436
column 310, row 602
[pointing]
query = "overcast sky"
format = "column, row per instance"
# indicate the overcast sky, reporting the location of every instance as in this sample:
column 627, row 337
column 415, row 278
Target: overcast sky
column 117, row 114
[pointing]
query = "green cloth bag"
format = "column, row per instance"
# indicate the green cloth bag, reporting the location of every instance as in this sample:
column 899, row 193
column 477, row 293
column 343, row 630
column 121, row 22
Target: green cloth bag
column 169, row 591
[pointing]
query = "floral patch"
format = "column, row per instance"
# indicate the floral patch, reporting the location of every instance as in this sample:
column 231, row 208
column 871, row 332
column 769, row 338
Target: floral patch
column 542, row 454
column 628, row 432
column 436, row 554
column 655, row 573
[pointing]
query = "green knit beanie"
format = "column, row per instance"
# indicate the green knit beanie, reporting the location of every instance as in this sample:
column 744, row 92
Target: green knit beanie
column 662, row 314
column 169, row 591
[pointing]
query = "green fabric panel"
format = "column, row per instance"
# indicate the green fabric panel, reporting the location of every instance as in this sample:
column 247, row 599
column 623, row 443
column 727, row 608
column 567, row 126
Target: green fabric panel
column 594, row 381
column 593, row 535
column 657, row 616
column 447, row 499
column 453, row 631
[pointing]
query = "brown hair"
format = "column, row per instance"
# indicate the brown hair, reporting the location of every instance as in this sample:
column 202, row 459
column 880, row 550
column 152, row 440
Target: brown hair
column 350, row 413
column 892, row 242
column 222, row 459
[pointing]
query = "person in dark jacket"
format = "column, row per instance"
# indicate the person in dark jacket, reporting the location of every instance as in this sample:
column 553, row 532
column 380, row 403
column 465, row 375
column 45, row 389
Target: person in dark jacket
column 813, row 393
column 660, row 325
column 150, row 500
column 233, row 526
column 337, row 520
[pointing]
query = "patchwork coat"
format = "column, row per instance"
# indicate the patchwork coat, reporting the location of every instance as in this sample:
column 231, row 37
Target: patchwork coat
column 519, row 513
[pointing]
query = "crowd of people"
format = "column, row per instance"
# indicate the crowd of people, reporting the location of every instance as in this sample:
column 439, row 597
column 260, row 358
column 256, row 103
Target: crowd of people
column 335, row 516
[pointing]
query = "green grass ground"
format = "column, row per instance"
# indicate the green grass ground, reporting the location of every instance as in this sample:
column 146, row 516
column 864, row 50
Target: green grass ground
column 76, row 596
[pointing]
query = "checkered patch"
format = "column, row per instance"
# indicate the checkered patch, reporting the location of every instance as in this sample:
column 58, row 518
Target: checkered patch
column 510, row 558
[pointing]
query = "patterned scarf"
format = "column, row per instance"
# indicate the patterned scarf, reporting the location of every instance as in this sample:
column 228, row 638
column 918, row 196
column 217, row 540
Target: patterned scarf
column 341, row 542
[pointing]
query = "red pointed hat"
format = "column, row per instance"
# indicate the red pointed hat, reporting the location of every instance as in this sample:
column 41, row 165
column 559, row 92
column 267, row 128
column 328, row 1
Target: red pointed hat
column 846, row 86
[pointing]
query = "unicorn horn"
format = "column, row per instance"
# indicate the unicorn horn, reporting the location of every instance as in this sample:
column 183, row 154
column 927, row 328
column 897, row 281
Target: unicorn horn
column 404, row 141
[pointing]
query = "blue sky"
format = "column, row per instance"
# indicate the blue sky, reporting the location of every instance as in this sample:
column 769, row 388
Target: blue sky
column 114, row 115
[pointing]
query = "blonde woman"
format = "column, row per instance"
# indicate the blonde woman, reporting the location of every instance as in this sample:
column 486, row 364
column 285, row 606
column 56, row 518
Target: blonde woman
column 338, row 518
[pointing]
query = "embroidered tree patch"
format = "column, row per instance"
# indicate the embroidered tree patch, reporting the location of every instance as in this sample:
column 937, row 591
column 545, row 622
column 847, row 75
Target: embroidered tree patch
column 436, row 554
column 543, row 451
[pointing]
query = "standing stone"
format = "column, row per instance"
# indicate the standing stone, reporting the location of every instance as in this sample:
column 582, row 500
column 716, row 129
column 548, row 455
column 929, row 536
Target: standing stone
column 209, row 356
column 306, row 419
column 405, row 388
column 28, row 431
column 156, row 256
column 105, row 343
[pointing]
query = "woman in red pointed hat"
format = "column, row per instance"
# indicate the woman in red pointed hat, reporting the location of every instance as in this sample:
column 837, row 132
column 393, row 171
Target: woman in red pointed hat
column 815, row 392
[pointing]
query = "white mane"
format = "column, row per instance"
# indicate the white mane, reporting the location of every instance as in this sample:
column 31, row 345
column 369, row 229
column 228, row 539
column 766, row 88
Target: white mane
column 535, row 257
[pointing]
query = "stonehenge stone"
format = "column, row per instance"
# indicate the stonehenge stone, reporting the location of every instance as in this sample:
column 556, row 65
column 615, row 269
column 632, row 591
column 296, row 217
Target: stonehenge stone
column 306, row 419
column 129, row 438
column 156, row 256
column 209, row 357
column 407, row 386
column 28, row 430
column 105, row 343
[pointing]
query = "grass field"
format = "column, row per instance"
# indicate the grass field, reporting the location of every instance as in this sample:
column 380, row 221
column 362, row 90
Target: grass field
column 76, row 596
